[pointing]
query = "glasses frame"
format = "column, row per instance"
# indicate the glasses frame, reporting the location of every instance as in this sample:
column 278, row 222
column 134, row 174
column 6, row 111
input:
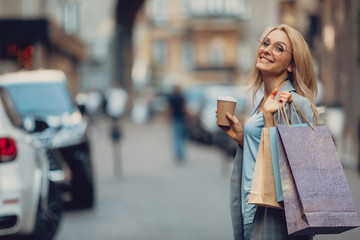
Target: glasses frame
column 272, row 48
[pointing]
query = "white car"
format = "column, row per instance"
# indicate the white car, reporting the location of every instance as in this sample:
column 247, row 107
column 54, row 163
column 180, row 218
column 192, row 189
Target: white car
column 43, row 101
column 30, row 204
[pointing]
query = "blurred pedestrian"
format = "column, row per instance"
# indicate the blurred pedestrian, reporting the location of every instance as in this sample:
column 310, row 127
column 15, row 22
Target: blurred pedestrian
column 116, row 100
column 93, row 103
column 177, row 111
column 284, row 71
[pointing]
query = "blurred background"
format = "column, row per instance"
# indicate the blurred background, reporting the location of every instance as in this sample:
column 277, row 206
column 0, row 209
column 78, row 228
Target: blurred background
column 150, row 170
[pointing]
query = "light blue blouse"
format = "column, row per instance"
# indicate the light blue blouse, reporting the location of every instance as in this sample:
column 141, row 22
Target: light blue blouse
column 252, row 135
column 238, row 195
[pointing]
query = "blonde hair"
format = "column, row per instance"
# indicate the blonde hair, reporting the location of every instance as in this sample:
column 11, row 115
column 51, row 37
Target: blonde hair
column 303, row 76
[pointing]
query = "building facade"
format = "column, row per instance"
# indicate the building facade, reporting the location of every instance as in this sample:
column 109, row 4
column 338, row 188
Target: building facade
column 41, row 34
column 186, row 42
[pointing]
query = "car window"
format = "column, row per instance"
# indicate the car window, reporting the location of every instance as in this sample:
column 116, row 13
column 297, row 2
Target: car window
column 10, row 109
column 40, row 98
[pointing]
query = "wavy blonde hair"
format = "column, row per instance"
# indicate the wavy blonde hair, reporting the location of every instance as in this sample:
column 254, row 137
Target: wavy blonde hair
column 303, row 76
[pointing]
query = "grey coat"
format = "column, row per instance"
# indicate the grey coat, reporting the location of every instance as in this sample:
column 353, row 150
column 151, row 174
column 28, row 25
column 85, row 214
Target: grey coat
column 235, row 185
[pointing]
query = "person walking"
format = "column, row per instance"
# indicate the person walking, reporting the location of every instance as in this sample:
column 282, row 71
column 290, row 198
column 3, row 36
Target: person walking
column 178, row 118
column 284, row 71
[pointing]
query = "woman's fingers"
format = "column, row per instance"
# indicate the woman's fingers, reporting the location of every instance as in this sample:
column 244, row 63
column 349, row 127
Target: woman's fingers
column 232, row 118
column 285, row 97
column 273, row 93
column 224, row 128
column 291, row 98
column 287, row 94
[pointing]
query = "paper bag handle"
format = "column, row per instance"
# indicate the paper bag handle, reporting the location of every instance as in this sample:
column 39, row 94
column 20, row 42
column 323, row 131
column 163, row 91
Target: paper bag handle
column 282, row 112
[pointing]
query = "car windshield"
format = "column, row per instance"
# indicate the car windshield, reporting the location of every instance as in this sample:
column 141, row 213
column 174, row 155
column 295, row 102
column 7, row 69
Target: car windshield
column 40, row 98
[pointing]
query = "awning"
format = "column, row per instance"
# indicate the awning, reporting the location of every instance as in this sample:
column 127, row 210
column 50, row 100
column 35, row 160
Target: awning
column 41, row 30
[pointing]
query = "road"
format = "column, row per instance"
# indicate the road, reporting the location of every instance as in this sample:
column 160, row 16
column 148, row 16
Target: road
column 156, row 199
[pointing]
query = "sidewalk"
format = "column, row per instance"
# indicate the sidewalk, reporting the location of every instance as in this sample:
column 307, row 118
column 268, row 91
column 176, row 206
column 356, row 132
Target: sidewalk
column 156, row 199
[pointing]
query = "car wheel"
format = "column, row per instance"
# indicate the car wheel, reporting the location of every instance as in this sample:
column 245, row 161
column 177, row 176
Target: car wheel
column 48, row 220
column 83, row 186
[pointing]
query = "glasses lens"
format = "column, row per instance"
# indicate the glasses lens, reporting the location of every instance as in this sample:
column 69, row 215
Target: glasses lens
column 278, row 49
column 265, row 43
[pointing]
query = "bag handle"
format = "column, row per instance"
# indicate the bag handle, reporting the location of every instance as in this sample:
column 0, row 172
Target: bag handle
column 282, row 114
column 302, row 115
column 297, row 115
column 282, row 111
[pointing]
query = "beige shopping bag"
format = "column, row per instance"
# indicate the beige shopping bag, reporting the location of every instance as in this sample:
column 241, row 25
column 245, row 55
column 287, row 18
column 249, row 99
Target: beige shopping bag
column 263, row 192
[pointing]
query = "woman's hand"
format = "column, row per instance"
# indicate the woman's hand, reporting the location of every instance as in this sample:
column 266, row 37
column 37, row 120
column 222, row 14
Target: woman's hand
column 235, row 130
column 285, row 97
column 271, row 106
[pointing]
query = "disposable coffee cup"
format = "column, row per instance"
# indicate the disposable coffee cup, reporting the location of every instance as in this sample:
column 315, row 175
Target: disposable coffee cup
column 225, row 104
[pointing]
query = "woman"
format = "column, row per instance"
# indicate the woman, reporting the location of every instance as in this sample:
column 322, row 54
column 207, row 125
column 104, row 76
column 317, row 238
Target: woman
column 283, row 69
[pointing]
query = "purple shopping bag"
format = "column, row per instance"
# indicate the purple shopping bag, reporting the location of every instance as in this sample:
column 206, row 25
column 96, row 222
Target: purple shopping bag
column 316, row 194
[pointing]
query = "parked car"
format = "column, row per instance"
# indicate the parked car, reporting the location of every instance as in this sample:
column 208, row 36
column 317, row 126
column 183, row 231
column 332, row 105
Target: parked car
column 31, row 204
column 44, row 102
column 201, row 105
column 193, row 98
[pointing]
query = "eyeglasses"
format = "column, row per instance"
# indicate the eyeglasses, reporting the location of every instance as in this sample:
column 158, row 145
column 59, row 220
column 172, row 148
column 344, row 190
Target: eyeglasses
column 278, row 48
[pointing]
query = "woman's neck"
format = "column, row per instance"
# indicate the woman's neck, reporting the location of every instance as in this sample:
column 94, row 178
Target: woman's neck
column 270, row 83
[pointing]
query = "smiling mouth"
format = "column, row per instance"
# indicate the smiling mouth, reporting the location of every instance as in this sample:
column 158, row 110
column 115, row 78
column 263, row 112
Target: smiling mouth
column 262, row 59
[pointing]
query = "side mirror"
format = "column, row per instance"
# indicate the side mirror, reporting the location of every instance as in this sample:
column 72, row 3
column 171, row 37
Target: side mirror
column 82, row 109
column 80, row 101
column 34, row 125
column 40, row 125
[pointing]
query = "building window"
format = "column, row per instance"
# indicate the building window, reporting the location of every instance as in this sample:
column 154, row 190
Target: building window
column 216, row 57
column 28, row 8
column 245, row 58
column 71, row 17
column 160, row 52
column 220, row 8
column 158, row 11
column 215, row 7
column 188, row 55
column 185, row 8
column 198, row 7
column 238, row 8
column 217, row 53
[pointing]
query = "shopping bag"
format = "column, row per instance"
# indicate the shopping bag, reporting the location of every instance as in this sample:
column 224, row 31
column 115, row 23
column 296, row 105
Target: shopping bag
column 317, row 198
column 263, row 191
column 275, row 163
column 273, row 148
column 275, row 160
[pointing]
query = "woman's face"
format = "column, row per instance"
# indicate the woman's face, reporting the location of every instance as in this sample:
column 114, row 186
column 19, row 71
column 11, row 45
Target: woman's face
column 274, row 55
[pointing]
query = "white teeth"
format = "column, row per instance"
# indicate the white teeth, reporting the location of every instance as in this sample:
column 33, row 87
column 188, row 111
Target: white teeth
column 264, row 60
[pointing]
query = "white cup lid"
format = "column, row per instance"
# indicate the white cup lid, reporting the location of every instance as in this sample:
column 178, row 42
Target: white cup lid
column 227, row 98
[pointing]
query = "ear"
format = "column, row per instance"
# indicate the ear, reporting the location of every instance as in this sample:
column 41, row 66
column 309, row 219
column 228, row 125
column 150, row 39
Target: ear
column 290, row 68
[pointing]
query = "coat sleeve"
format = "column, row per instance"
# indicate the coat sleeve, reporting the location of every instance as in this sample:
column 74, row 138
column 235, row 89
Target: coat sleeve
column 235, row 196
column 305, row 107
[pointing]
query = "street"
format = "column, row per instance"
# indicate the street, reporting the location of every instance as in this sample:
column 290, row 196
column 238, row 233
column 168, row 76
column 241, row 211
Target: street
column 154, row 198
column 151, row 197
